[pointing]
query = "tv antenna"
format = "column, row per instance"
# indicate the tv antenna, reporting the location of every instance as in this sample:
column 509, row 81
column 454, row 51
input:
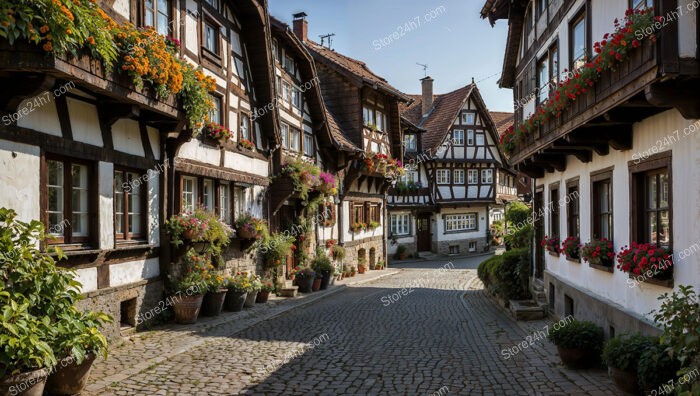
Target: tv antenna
column 328, row 37
column 425, row 68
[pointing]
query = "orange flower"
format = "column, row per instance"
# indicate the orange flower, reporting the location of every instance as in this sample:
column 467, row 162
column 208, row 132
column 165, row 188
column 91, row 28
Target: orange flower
column 47, row 47
column 91, row 40
column 44, row 29
column 68, row 31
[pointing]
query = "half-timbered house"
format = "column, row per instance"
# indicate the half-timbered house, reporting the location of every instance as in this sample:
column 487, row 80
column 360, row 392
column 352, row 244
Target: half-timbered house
column 618, row 161
column 362, row 111
column 454, row 173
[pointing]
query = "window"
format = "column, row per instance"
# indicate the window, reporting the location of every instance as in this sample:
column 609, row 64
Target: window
column 553, row 66
column 468, row 118
column 602, row 205
column 368, row 116
column 211, row 38
column 453, row 249
column 68, row 204
column 328, row 214
column 460, row 222
column 275, row 53
column 473, row 176
column 572, row 209
column 286, row 92
column 554, row 213
column 245, row 127
column 157, row 15
column 278, row 87
column 410, row 176
column 480, row 139
column 380, row 120
column 308, row 144
column 472, row 247
column 486, row 176
column 374, row 213
column 358, row 214
column 284, row 131
column 640, row 4
column 296, row 97
column 543, row 80
column 215, row 112
column 225, row 202
column 401, row 224
column 189, row 194
column 470, row 137
column 541, row 7
column 208, row 194
column 374, row 147
column 410, row 142
column 213, row 3
column 459, row 176
column 239, row 201
column 651, row 202
column 458, row 137
column 443, row 176
column 577, row 34
column 294, row 139
column 289, row 65
column 129, row 205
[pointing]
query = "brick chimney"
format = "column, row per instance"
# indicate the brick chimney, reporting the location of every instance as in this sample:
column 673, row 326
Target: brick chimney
column 427, row 85
column 301, row 27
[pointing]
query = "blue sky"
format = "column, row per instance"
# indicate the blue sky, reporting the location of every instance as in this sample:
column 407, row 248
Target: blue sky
column 454, row 41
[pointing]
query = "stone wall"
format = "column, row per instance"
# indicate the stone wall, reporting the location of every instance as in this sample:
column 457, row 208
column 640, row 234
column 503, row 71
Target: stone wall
column 443, row 247
column 354, row 248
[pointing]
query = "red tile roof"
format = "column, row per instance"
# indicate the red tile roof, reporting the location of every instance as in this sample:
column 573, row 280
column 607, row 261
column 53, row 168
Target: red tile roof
column 502, row 120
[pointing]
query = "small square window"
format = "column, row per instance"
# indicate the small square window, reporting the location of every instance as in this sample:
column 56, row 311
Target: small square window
column 472, row 247
column 458, row 137
column 468, row 118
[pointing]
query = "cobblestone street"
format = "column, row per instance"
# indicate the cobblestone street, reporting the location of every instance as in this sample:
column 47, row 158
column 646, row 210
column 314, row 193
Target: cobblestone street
column 441, row 334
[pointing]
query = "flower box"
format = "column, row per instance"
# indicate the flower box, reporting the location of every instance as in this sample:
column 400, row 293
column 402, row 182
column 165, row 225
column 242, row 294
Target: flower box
column 648, row 263
column 610, row 269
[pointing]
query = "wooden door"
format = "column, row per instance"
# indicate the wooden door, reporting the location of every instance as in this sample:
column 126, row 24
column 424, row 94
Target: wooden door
column 423, row 232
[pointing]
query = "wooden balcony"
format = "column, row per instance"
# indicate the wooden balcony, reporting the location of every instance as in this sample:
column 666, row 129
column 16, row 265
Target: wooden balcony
column 414, row 197
column 653, row 79
column 25, row 71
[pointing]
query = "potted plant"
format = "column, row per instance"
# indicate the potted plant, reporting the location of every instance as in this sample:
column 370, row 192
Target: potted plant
column 303, row 174
column 246, row 144
column 353, row 271
column 656, row 368
column 401, row 252
column 645, row 258
column 373, row 224
column 266, row 287
column 622, row 354
column 185, row 227
column 338, row 253
column 358, row 227
column 217, row 132
column 275, row 249
column 293, row 274
column 321, row 264
column 213, row 301
column 249, row 227
column 362, row 265
column 238, row 286
column 551, row 244
column 599, row 252
column 255, row 287
column 326, row 184
column 571, row 247
column 305, row 280
column 188, row 289
column 316, row 286
column 578, row 343
column 379, row 265
column 330, row 243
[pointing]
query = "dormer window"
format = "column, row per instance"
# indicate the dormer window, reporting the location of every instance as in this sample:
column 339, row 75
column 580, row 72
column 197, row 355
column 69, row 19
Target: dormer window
column 373, row 116
column 468, row 118
column 410, row 142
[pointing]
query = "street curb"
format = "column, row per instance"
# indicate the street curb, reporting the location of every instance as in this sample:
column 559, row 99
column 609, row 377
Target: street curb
column 144, row 365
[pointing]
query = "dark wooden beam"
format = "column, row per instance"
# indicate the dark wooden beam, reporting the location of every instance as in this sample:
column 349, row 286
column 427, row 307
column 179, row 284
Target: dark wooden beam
column 683, row 95
column 112, row 112
column 620, row 138
column 583, row 155
column 556, row 161
column 19, row 88
column 531, row 170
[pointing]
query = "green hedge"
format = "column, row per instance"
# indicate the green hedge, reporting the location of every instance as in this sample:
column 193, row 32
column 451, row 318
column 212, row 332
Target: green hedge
column 507, row 275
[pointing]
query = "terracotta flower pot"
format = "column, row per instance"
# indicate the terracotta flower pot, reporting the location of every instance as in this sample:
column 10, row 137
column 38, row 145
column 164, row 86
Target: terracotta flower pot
column 213, row 303
column 30, row 383
column 361, row 270
column 234, row 300
column 250, row 299
column 627, row 381
column 187, row 308
column 262, row 297
column 316, row 286
column 246, row 233
column 188, row 234
column 70, row 378
column 577, row 358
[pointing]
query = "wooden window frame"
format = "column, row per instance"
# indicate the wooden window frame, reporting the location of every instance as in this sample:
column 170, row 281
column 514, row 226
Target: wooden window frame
column 658, row 163
column 597, row 178
column 483, row 178
column 374, row 212
column 79, row 242
column 455, row 142
column 470, row 139
column 126, row 236
column 554, row 77
column 454, row 177
column 446, row 221
column 251, row 130
column 393, row 225
column 312, row 152
column 539, row 11
column 437, row 178
column 358, row 213
column 415, row 141
column 213, row 57
column 329, row 216
column 299, row 148
column 555, row 212
column 632, row 6
column 218, row 187
column 469, row 179
column 582, row 16
column 573, row 208
column 142, row 9
column 464, row 119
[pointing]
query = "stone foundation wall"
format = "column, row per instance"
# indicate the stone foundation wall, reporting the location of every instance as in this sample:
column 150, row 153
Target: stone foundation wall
column 443, row 247
column 354, row 248
column 141, row 297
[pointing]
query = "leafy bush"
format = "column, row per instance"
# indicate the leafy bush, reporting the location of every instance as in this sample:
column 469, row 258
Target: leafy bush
column 656, row 367
column 321, row 262
column 519, row 229
column 623, row 352
column 275, row 249
column 338, row 252
column 578, row 335
column 507, row 275
column 518, row 213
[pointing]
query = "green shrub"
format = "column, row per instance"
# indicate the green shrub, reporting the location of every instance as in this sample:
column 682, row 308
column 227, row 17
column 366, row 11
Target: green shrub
column 485, row 269
column 623, row 352
column 518, row 213
column 519, row 230
column 321, row 262
column 507, row 275
column 656, row 367
column 578, row 335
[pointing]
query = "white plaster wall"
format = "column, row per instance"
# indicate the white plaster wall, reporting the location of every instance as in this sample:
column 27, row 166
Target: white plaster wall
column 153, row 215
column 246, row 164
column 641, row 298
column 19, row 178
column 154, row 139
column 687, row 28
column 439, row 225
column 195, row 150
column 122, row 7
column 84, row 122
column 88, row 278
column 402, row 240
column 126, row 137
column 42, row 118
column 106, row 205
column 133, row 271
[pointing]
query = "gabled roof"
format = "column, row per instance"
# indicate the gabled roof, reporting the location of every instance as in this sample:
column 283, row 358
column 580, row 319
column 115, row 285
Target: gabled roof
column 355, row 70
column 514, row 11
column 438, row 122
column 502, row 120
column 341, row 139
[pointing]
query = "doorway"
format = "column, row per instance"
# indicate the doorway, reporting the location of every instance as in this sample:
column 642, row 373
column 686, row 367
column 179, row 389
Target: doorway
column 423, row 234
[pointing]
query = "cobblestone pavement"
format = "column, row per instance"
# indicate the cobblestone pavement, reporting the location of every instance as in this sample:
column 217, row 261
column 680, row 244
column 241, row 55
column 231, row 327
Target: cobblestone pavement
column 441, row 334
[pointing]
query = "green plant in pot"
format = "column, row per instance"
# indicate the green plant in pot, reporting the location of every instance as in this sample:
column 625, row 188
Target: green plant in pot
column 267, row 287
column 656, row 369
column 275, row 249
column 255, row 285
column 189, row 287
column 305, row 279
column 213, row 301
column 238, row 286
column 622, row 354
column 401, row 252
column 338, row 253
column 578, row 343
column 322, row 265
